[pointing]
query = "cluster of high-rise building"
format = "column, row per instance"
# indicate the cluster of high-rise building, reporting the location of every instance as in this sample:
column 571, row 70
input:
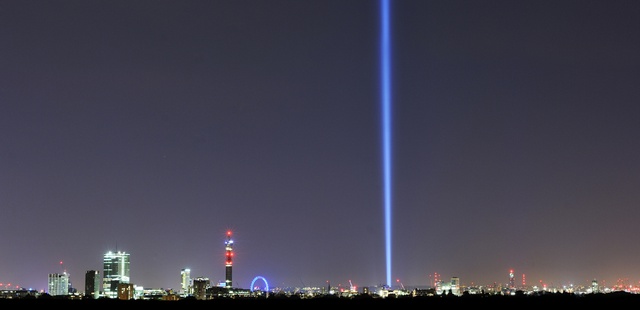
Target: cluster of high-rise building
column 114, row 280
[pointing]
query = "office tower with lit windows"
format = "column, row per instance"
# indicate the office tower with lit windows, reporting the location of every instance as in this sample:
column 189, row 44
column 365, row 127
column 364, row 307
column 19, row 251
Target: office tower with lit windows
column 512, row 280
column 126, row 291
column 92, row 284
column 58, row 284
column 595, row 288
column 116, row 271
column 185, row 282
column 200, row 286
column 228, row 244
column 455, row 286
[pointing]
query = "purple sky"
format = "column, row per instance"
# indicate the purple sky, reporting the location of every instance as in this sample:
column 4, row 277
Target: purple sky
column 152, row 127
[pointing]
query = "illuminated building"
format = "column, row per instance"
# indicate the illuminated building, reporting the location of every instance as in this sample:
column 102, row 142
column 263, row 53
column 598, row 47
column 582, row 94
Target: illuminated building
column 116, row 270
column 126, row 291
column 200, row 286
column 512, row 281
column 58, row 284
column 594, row 286
column 185, row 282
column 455, row 286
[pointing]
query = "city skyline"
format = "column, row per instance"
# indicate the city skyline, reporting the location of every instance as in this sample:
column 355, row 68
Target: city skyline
column 156, row 126
column 514, row 282
column 122, row 259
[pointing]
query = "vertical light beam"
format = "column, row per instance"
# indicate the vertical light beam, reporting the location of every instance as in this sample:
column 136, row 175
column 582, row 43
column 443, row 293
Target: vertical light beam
column 385, row 77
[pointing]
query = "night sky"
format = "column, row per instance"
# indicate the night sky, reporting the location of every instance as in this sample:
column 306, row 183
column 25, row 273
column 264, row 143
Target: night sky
column 153, row 127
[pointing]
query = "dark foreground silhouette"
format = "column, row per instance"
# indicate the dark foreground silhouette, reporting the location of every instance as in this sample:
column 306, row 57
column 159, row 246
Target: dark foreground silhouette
column 556, row 300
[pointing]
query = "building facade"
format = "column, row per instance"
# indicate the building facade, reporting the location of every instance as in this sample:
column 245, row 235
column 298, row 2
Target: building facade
column 92, row 284
column 185, row 282
column 116, row 271
column 200, row 286
column 58, row 284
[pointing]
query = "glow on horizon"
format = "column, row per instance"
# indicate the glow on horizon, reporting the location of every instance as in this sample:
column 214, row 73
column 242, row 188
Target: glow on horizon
column 385, row 64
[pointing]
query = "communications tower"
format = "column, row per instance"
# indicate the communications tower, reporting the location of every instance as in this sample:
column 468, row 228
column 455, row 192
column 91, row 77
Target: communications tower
column 228, row 246
column 512, row 282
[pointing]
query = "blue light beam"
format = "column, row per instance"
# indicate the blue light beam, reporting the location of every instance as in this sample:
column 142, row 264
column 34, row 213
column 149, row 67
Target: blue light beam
column 385, row 76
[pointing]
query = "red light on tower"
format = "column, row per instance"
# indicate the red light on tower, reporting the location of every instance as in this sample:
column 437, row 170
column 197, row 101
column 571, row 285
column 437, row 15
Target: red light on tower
column 228, row 245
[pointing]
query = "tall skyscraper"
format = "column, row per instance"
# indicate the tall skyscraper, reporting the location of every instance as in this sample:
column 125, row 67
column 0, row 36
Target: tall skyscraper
column 185, row 282
column 58, row 284
column 229, row 260
column 92, row 284
column 512, row 280
column 116, row 270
